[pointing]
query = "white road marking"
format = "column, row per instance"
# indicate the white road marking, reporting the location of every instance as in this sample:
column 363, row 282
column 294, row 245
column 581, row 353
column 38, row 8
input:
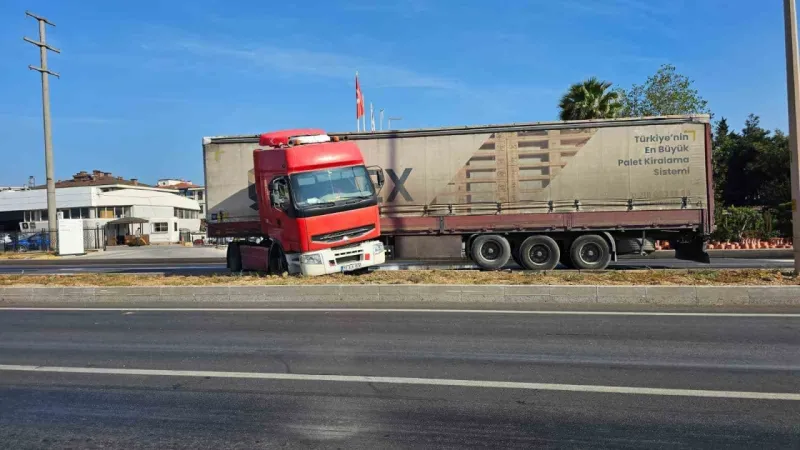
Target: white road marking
column 411, row 310
column 411, row 381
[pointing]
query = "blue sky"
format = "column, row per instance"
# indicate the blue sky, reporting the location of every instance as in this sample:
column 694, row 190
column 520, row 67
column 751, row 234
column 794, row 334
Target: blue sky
column 143, row 82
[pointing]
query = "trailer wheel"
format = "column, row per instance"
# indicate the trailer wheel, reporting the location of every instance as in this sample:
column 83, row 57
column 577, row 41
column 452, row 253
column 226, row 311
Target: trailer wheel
column 590, row 252
column 491, row 252
column 539, row 253
column 234, row 258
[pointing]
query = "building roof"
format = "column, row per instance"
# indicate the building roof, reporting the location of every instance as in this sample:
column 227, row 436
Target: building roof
column 96, row 178
column 184, row 185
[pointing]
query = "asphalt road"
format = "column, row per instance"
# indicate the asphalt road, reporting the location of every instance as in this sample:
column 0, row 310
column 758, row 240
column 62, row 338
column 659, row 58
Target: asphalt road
column 199, row 268
column 146, row 379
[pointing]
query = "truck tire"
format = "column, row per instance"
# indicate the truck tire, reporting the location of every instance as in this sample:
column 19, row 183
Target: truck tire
column 234, row 258
column 635, row 246
column 277, row 260
column 539, row 253
column 590, row 252
column 491, row 252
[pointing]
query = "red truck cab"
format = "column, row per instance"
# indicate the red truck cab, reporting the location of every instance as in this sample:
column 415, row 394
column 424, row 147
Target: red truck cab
column 318, row 207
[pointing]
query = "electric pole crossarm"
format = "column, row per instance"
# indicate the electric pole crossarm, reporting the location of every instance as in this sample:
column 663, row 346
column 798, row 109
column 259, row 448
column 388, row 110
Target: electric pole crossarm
column 42, row 44
column 28, row 13
column 39, row 69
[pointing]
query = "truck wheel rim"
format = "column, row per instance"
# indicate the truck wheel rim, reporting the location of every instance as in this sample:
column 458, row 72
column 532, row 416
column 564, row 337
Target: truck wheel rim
column 590, row 253
column 539, row 254
column 491, row 251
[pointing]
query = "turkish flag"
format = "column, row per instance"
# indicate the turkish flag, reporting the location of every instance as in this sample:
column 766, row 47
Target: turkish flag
column 359, row 100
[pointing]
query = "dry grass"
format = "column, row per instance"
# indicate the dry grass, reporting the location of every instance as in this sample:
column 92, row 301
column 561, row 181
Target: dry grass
column 632, row 277
column 27, row 255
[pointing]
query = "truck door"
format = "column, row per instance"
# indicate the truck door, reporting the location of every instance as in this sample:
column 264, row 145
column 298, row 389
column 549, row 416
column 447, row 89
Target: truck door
column 279, row 221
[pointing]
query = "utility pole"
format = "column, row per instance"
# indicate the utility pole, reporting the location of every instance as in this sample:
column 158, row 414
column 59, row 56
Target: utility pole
column 48, row 138
column 381, row 114
column 793, row 89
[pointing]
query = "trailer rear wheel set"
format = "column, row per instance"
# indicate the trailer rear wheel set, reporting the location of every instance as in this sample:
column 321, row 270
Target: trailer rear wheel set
column 541, row 252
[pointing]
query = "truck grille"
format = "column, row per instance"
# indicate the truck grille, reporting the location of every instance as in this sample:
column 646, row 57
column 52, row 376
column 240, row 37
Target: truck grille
column 348, row 254
column 341, row 235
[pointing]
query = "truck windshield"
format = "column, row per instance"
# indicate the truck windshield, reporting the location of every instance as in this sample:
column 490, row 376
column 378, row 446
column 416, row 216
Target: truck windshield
column 331, row 186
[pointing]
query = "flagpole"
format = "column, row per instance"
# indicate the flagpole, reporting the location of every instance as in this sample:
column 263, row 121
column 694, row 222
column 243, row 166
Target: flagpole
column 358, row 99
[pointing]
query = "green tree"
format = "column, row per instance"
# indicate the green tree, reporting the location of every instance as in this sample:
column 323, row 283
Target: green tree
column 751, row 168
column 722, row 148
column 590, row 99
column 663, row 94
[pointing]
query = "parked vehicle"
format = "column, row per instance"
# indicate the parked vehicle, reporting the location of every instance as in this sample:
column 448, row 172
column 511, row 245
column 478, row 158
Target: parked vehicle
column 6, row 241
column 576, row 193
column 316, row 208
column 36, row 241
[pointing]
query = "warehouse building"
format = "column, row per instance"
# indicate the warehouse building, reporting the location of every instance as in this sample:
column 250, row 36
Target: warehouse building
column 120, row 207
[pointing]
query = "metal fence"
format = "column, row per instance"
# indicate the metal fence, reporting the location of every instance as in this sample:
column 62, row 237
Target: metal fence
column 40, row 240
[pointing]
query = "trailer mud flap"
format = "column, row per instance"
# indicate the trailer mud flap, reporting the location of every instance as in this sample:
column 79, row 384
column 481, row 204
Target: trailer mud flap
column 691, row 251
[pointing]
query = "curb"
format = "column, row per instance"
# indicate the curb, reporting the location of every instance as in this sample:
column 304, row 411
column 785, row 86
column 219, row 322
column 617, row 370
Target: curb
column 341, row 295
column 107, row 262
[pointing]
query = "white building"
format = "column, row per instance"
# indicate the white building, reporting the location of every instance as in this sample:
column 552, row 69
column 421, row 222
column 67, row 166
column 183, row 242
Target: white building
column 188, row 190
column 163, row 215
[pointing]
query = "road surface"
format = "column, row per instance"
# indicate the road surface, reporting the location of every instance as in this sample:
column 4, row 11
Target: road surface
column 210, row 267
column 345, row 379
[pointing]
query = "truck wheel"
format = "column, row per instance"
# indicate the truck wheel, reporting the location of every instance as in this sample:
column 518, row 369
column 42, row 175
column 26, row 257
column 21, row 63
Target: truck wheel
column 590, row 252
column 635, row 246
column 539, row 253
column 234, row 258
column 491, row 252
column 277, row 260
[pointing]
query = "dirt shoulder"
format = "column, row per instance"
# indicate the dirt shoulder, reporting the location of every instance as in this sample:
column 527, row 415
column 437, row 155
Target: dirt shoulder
column 23, row 256
column 609, row 278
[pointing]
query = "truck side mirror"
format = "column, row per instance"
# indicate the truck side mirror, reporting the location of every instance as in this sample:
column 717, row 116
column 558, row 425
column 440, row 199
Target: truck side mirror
column 379, row 175
column 277, row 193
column 381, row 178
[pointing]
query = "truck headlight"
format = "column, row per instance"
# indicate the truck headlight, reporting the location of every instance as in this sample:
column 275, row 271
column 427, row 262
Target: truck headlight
column 377, row 248
column 313, row 258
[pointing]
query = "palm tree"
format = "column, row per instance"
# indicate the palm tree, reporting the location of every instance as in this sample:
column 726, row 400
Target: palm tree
column 590, row 99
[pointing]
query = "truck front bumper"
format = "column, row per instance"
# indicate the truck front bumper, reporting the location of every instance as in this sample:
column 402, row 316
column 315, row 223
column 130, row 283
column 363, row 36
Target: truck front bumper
column 342, row 259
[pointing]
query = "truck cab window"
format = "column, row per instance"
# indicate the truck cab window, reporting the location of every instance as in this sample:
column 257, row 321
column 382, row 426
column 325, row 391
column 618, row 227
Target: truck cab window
column 279, row 193
column 331, row 186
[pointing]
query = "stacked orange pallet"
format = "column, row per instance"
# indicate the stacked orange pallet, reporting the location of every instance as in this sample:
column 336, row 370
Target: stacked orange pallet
column 745, row 244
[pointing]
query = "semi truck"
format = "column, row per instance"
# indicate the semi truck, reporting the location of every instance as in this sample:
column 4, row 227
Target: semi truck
column 316, row 207
column 575, row 193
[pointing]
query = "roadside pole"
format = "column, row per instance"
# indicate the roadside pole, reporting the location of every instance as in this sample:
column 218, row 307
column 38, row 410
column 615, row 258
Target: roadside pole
column 48, row 139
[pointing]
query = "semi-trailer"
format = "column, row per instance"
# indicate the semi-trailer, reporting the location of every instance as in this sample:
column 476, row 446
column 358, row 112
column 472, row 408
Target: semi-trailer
column 579, row 193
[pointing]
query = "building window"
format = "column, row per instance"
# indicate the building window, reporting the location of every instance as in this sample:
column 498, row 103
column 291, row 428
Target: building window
column 34, row 216
column 160, row 227
column 202, row 209
column 200, row 195
column 181, row 213
column 176, row 226
column 113, row 212
column 75, row 213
